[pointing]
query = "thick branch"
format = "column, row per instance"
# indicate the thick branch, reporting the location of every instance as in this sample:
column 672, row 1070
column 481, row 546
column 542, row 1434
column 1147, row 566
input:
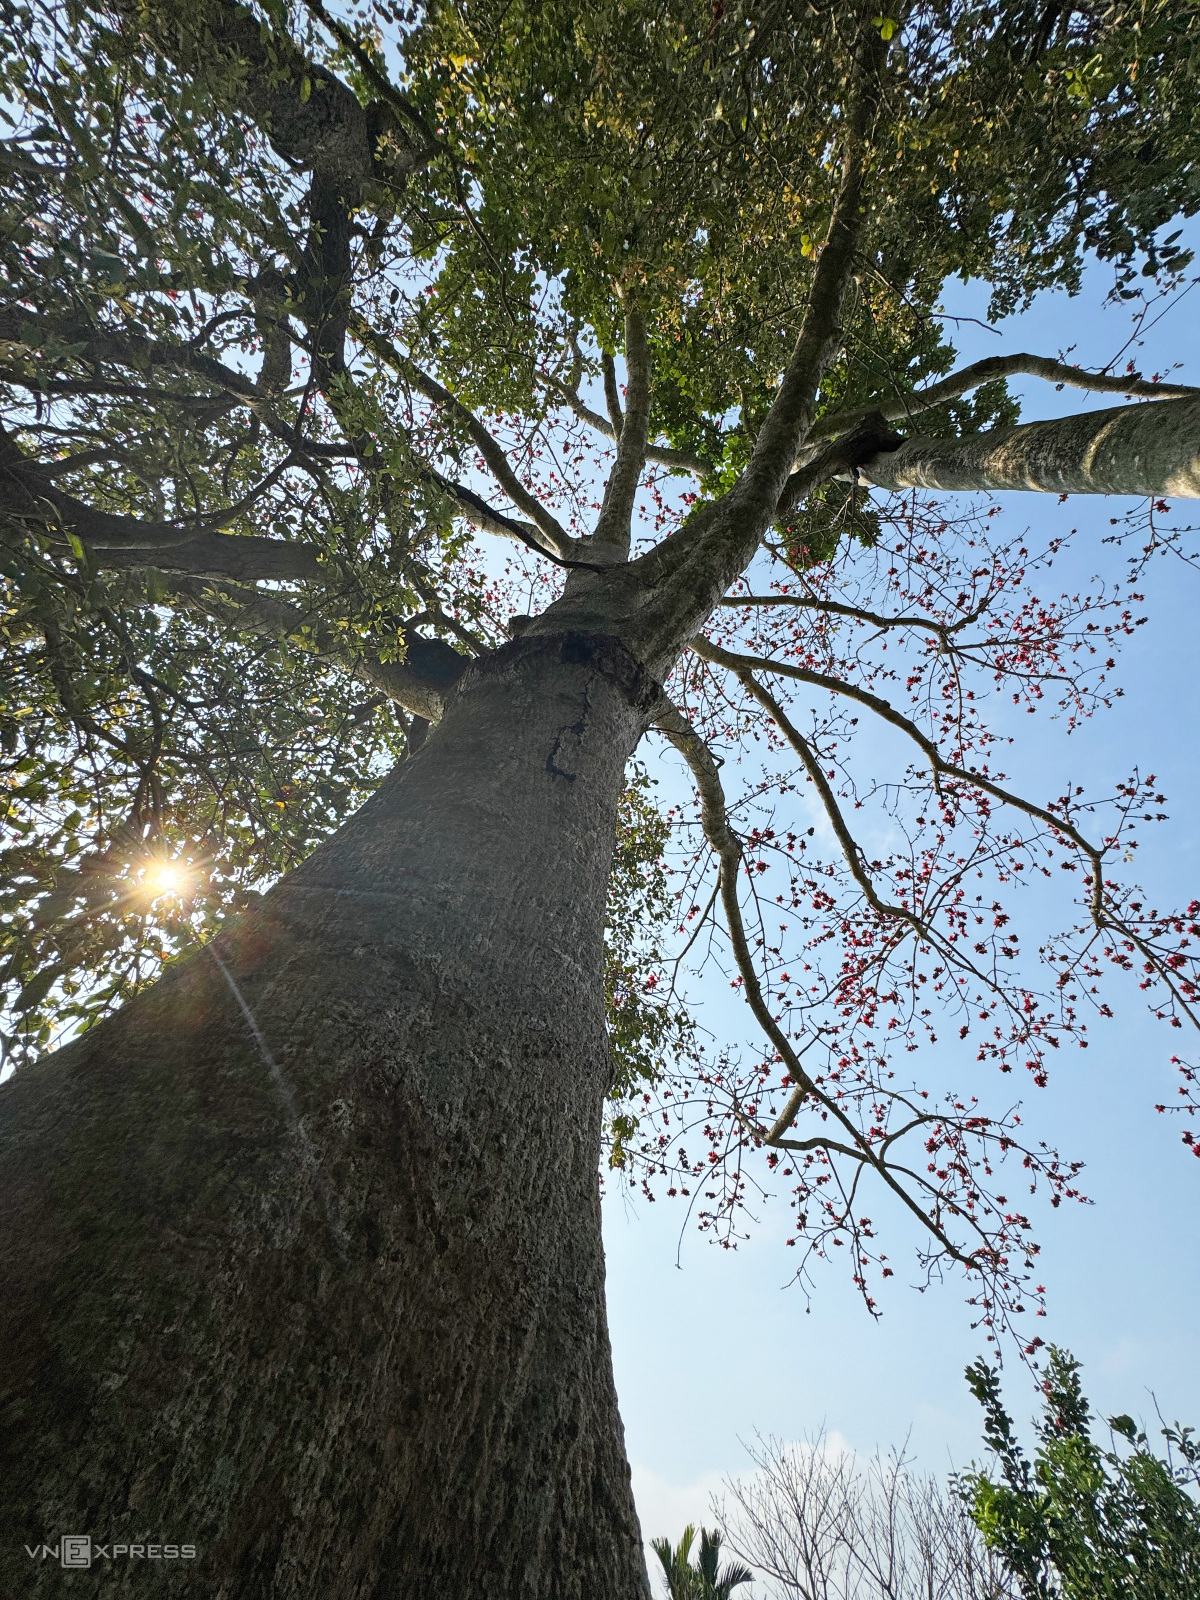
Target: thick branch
column 312, row 119
column 419, row 683
column 382, row 85
column 220, row 555
column 123, row 542
column 107, row 346
column 674, row 587
column 670, row 590
column 1134, row 450
column 612, row 395
column 902, row 406
column 614, row 525
column 791, row 415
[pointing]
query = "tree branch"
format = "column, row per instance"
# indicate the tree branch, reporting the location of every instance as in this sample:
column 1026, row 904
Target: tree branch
column 123, row 542
column 106, row 346
column 837, row 608
column 311, row 118
column 682, row 579
column 1133, row 450
column 903, row 406
column 678, row 730
column 419, row 683
column 382, row 85
column 855, row 859
column 663, row 454
column 791, row 415
column 612, row 394
column 194, row 546
column 554, row 536
column 736, row 663
column 615, row 522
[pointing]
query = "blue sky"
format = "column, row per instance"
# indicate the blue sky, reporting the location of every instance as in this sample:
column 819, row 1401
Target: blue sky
column 712, row 1346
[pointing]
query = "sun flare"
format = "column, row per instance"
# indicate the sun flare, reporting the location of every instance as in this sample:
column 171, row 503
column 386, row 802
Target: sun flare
column 168, row 878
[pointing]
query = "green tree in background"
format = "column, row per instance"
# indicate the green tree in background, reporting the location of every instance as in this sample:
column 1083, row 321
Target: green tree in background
column 1080, row 1522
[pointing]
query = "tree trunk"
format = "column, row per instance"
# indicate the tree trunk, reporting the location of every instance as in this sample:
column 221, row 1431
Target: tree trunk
column 301, row 1260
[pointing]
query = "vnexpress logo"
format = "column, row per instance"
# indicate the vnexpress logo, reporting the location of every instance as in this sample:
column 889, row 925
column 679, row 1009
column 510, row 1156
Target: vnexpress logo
column 78, row 1550
column 75, row 1550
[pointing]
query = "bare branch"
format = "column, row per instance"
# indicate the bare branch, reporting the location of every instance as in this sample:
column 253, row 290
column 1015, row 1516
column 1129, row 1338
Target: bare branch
column 737, row 663
column 678, row 730
column 1104, row 913
column 675, row 727
column 855, row 859
column 838, row 609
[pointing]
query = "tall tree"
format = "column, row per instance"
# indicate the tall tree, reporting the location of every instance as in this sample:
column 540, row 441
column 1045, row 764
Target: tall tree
column 302, row 1258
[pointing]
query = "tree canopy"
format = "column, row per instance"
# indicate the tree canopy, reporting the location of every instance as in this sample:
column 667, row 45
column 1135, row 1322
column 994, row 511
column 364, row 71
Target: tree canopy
column 333, row 343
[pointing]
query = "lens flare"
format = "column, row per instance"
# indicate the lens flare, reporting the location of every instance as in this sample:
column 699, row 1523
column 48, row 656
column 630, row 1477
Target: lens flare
column 168, row 878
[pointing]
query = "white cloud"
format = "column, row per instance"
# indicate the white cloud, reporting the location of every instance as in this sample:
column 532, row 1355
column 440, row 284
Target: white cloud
column 666, row 1509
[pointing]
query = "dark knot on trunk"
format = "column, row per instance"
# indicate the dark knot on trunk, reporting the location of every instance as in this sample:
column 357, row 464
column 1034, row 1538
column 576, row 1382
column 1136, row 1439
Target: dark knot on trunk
column 870, row 436
column 603, row 653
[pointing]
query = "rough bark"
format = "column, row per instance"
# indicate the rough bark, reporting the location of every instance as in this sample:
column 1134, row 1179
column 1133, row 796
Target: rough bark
column 302, row 1258
column 1139, row 450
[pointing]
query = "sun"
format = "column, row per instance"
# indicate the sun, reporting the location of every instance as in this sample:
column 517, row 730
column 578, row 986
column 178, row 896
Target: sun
column 168, row 878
